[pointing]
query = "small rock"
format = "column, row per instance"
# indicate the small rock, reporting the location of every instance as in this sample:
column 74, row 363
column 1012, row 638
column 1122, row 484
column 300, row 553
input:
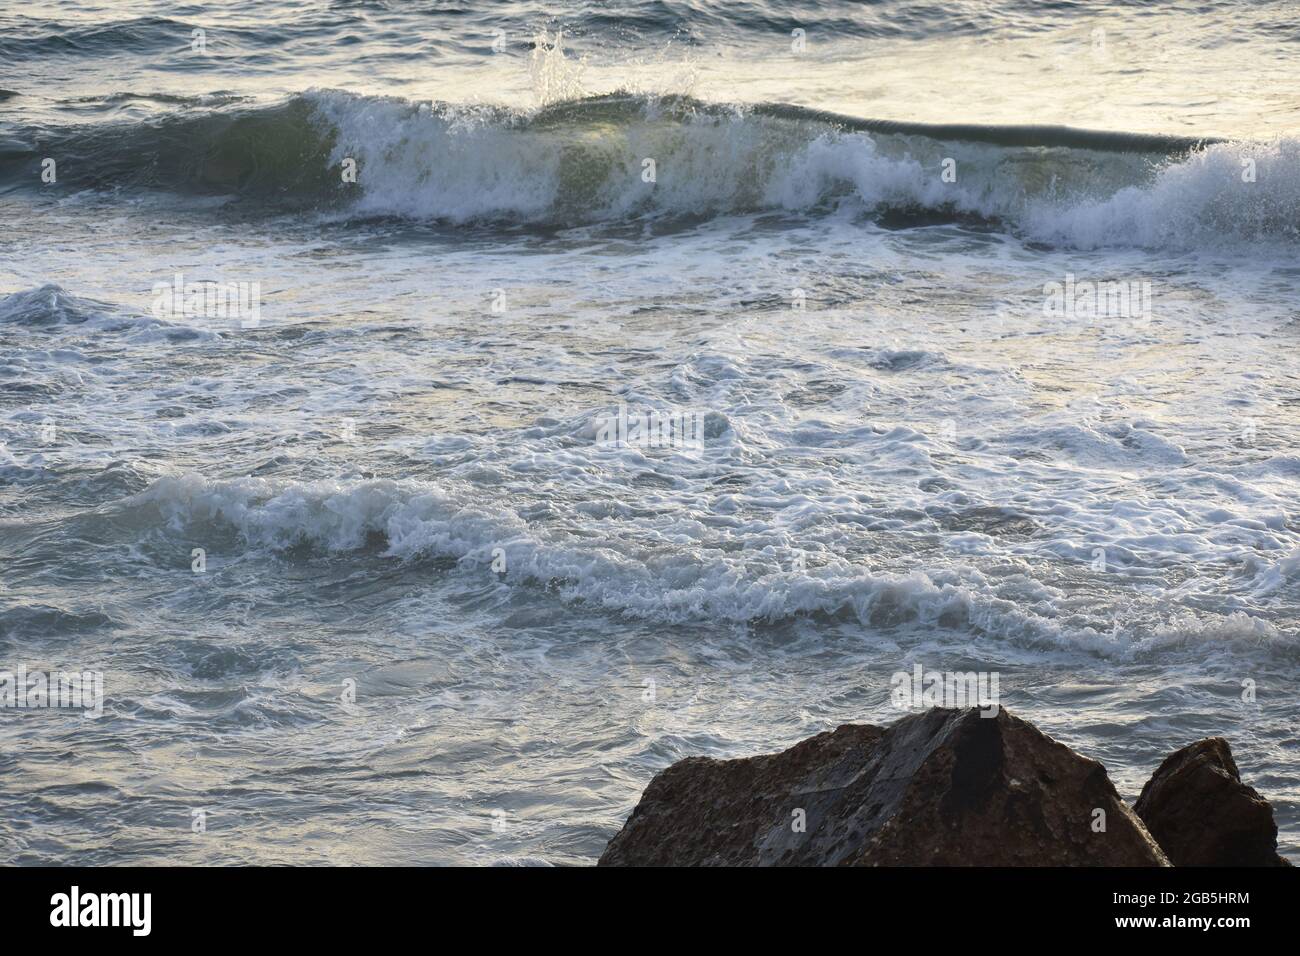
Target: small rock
column 1201, row 814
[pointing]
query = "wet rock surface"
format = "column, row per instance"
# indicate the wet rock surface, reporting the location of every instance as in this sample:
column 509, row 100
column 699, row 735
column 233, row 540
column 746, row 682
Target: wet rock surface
column 943, row 787
column 1200, row 812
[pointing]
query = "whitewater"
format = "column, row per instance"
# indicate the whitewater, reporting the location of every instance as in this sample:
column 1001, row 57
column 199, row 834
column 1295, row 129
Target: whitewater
column 365, row 578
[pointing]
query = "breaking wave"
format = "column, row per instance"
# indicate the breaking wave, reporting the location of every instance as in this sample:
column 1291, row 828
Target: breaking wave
column 616, row 158
column 410, row 520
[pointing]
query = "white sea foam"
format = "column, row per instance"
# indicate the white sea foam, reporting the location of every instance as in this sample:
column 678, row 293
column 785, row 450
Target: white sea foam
column 1229, row 191
column 691, row 585
column 589, row 164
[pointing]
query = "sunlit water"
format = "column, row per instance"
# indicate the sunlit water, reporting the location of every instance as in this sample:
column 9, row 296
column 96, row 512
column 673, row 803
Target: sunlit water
column 396, row 481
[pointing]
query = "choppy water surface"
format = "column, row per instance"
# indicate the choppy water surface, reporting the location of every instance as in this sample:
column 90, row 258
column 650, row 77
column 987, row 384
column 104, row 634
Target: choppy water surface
column 395, row 477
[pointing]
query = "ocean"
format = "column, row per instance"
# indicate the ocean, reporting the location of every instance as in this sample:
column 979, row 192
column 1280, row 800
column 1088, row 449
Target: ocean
column 431, row 420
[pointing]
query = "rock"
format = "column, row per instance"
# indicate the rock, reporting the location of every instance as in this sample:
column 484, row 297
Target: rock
column 944, row 787
column 1201, row 814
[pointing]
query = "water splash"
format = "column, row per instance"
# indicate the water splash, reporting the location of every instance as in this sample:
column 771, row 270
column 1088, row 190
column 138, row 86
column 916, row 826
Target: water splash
column 555, row 77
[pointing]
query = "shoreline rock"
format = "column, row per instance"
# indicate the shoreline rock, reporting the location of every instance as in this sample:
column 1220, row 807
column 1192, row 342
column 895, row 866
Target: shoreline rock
column 939, row 788
column 945, row 788
column 1200, row 812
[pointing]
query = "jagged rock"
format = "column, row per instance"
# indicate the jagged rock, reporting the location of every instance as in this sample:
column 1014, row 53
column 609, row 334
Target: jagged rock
column 945, row 787
column 1201, row 814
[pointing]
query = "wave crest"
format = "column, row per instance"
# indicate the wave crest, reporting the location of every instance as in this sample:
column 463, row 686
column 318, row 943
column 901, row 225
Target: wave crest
column 413, row 519
column 614, row 158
